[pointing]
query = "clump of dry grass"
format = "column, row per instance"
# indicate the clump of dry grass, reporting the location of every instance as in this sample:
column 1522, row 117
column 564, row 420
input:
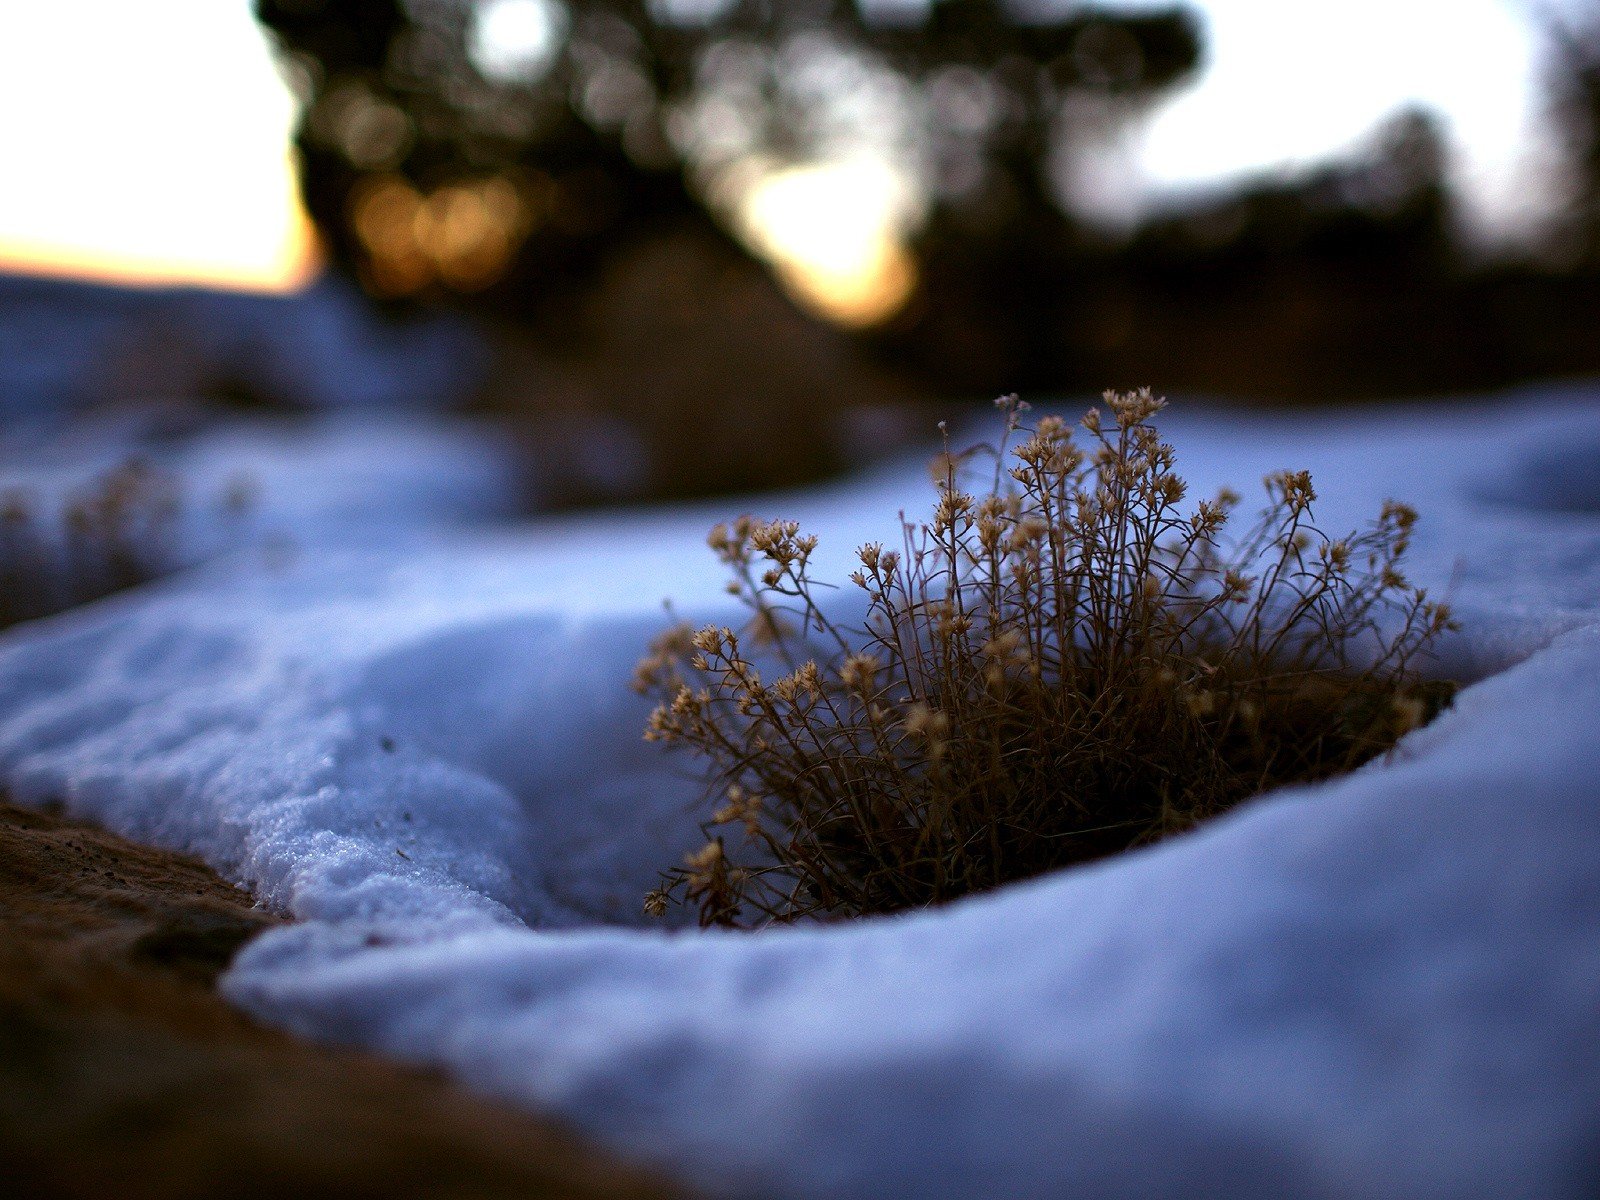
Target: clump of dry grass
column 1062, row 667
column 118, row 531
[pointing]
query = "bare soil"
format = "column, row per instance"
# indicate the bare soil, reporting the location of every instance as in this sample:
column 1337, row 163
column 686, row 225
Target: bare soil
column 123, row 1073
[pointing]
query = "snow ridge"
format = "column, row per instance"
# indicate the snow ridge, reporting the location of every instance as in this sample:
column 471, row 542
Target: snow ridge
column 1388, row 985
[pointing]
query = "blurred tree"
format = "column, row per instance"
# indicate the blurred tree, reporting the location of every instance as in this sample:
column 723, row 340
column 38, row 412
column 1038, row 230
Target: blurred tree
column 1344, row 279
column 556, row 164
column 464, row 144
column 1575, row 37
column 582, row 172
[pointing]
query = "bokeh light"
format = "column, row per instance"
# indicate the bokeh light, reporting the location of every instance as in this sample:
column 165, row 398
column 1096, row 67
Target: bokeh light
column 462, row 234
column 516, row 40
column 835, row 234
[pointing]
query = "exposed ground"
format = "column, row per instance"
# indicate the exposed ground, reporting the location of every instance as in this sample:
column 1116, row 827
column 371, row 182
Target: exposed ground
column 122, row 1073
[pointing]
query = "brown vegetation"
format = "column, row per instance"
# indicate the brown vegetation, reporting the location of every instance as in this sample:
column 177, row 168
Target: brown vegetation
column 119, row 530
column 1061, row 668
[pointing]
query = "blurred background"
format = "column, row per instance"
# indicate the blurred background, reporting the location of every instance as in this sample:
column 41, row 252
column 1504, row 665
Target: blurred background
column 682, row 247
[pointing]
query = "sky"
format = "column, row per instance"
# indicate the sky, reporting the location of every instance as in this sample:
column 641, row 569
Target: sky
column 108, row 98
column 147, row 140
column 1289, row 81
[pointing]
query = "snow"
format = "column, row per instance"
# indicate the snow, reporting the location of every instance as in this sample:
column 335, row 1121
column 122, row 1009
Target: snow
column 69, row 346
column 424, row 750
column 335, row 478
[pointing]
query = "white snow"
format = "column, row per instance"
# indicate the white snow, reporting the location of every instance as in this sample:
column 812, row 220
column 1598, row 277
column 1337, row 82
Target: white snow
column 1388, row 986
column 338, row 478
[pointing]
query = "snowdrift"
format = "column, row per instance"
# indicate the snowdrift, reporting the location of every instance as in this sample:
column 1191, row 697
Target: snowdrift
column 1388, row 985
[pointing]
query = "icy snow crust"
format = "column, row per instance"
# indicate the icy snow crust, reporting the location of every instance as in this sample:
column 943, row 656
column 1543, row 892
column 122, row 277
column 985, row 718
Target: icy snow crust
column 1388, row 986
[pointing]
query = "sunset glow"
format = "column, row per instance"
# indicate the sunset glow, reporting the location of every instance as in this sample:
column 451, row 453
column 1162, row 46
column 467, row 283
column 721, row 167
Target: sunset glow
column 834, row 232
column 148, row 144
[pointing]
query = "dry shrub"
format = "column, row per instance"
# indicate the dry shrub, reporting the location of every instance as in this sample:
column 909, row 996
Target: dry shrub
column 1058, row 669
column 118, row 531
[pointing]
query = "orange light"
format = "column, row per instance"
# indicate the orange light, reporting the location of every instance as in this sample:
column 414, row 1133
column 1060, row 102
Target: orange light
column 833, row 232
column 463, row 234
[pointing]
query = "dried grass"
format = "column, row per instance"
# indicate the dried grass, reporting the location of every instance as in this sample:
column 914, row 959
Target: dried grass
column 118, row 531
column 1057, row 669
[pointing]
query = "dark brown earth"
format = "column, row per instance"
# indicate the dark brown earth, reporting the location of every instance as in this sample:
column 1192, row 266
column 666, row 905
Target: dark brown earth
column 124, row 1074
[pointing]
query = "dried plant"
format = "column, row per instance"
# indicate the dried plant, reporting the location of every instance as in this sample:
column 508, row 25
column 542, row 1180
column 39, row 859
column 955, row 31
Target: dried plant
column 1058, row 669
column 118, row 531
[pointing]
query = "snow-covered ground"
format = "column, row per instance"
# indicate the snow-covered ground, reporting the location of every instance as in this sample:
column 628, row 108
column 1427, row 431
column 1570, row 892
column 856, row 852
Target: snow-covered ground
column 67, row 346
column 1388, row 986
column 334, row 478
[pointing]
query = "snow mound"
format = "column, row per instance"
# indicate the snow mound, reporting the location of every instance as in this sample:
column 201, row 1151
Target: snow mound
column 68, row 347
column 342, row 478
column 1385, row 986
